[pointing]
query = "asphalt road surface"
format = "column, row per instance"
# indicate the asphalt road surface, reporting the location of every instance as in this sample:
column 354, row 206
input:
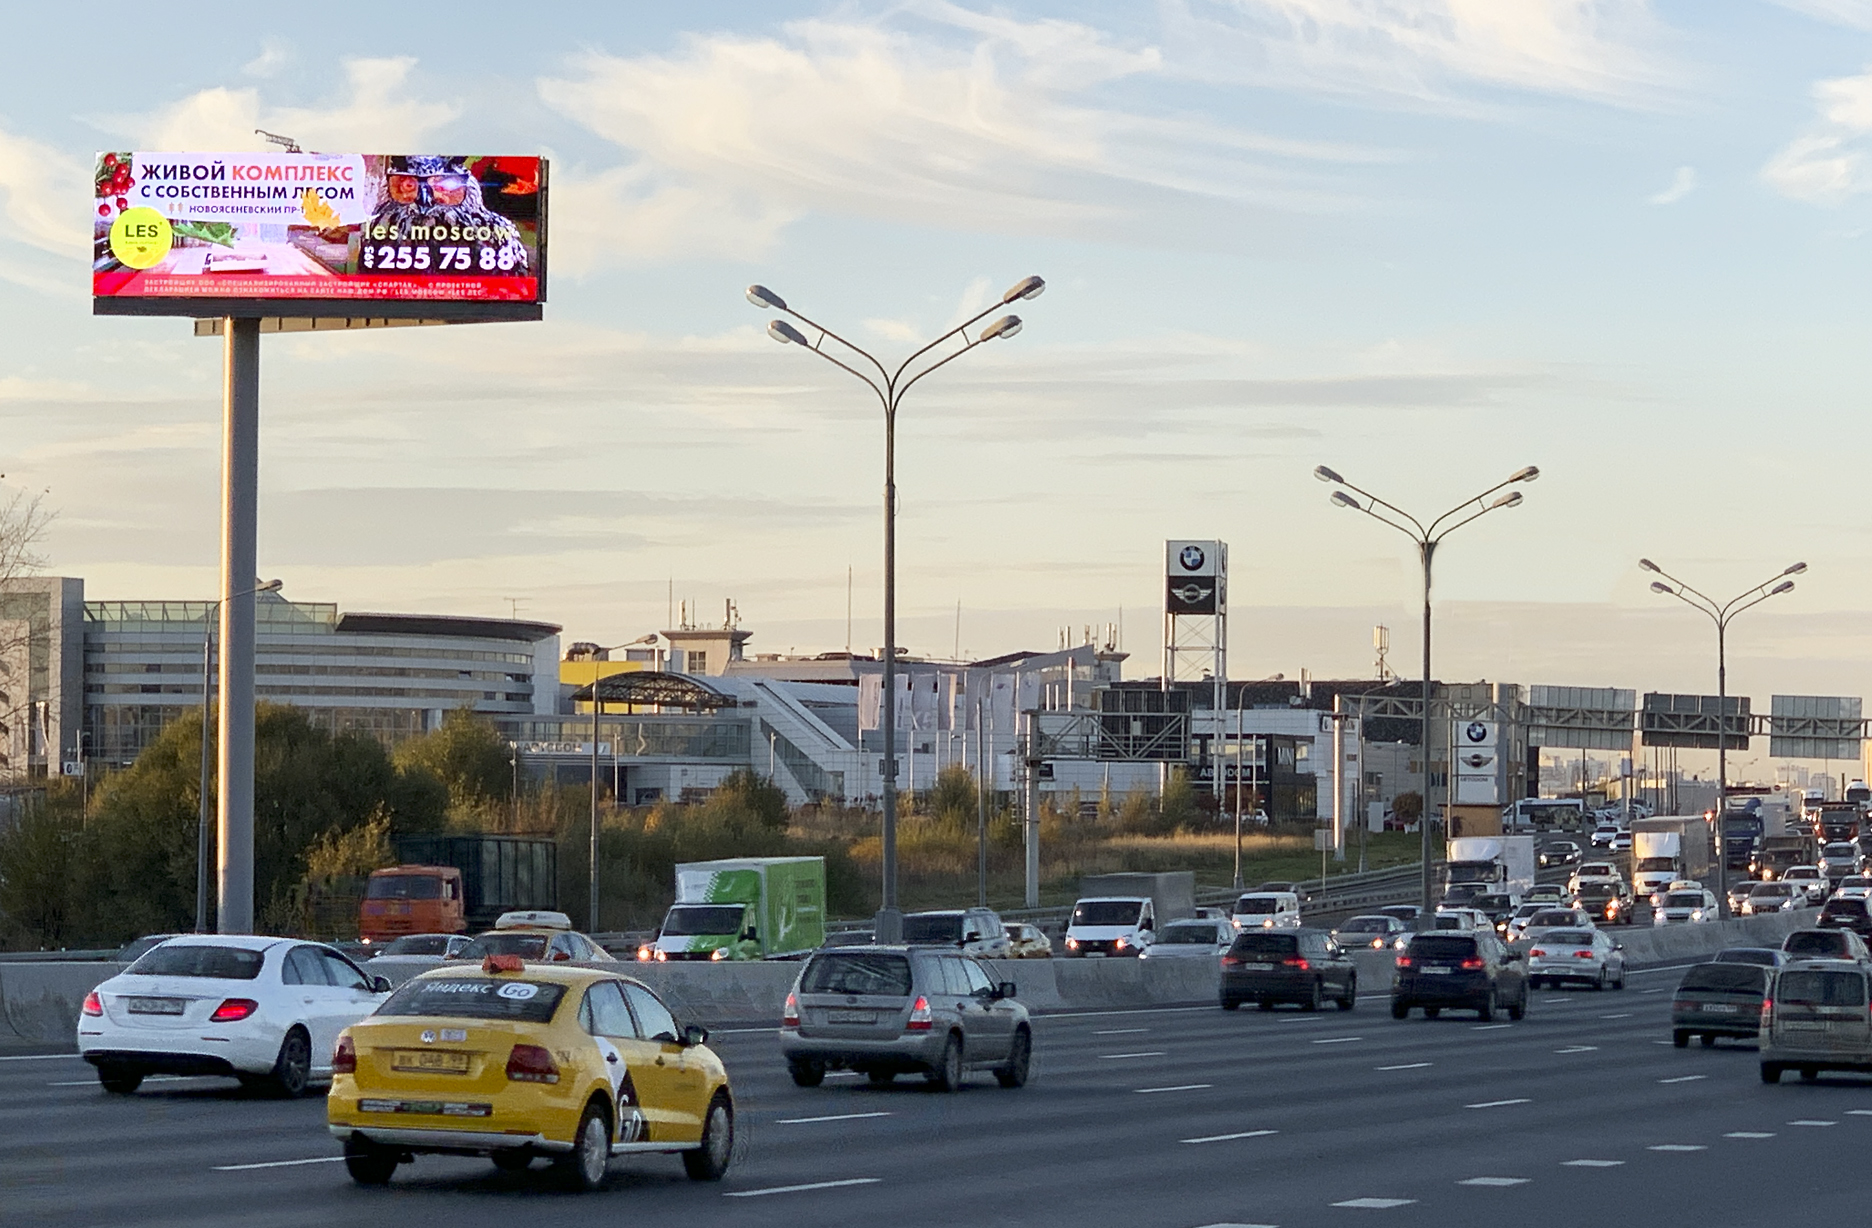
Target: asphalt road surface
column 1174, row 1118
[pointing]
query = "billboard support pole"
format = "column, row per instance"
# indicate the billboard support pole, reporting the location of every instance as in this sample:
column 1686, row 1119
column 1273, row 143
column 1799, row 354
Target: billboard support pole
column 240, row 497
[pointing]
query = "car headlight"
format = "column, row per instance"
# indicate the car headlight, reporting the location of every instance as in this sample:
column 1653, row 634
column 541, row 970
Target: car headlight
column 1072, row 944
column 718, row 955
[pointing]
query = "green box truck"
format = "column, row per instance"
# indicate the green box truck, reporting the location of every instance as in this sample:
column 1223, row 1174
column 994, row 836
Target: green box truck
column 743, row 908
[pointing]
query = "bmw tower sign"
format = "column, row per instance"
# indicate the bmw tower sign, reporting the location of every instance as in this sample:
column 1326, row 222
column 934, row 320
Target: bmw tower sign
column 1196, row 577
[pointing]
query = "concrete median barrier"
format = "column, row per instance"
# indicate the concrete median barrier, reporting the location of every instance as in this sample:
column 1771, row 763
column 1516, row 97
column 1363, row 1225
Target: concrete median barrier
column 40, row 1001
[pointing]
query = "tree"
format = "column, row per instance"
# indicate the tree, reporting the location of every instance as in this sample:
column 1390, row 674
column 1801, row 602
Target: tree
column 39, row 862
column 23, row 521
column 466, row 754
column 1408, row 807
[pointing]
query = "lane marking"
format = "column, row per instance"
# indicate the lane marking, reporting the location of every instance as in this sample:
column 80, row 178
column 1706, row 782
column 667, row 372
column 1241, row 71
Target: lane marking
column 146, row 1079
column 1807, row 1122
column 1684, row 1079
column 1490, row 1027
column 1590, row 1163
column 1181, row 1087
column 1748, row 1134
column 801, row 1189
column 806, row 1121
column 1579, row 1049
column 1678, row 1147
column 242, row 1168
column 1859, row 1112
column 39, row 1057
column 1229, row 1138
column 1497, row 1104
column 1659, row 990
column 1495, row 1182
column 1338, row 1040
column 1406, row 1066
column 1626, row 1015
column 1663, row 1042
column 1120, row 1031
column 1376, row 1204
column 1238, row 1226
column 843, row 1074
column 1138, row 1010
column 1116, row 1057
column 742, row 1031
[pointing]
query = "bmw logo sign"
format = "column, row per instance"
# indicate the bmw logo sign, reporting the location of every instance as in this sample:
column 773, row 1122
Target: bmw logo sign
column 1191, row 558
column 1476, row 732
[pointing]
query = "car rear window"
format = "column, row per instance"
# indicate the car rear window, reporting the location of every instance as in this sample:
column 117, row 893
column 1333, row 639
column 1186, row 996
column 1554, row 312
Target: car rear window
column 1442, row 946
column 1844, row 908
column 1204, row 934
column 418, row 944
column 191, row 959
column 1733, row 978
column 940, row 927
column 526, row 946
column 1265, row 944
column 1821, row 989
column 1822, row 943
column 858, row 972
column 476, row 997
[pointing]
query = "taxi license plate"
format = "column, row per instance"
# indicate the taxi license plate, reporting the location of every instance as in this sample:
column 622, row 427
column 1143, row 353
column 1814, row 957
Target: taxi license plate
column 1719, row 1008
column 429, row 1061
column 851, row 1017
column 1434, row 971
column 155, row 1006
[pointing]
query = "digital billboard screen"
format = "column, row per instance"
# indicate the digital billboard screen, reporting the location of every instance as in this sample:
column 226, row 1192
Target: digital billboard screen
column 442, row 236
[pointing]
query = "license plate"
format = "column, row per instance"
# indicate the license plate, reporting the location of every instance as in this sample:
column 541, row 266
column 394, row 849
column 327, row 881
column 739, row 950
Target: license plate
column 1719, row 1008
column 1802, row 1025
column 1095, row 955
column 430, row 1061
column 1259, row 967
column 851, row 1017
column 1435, row 971
column 155, row 1006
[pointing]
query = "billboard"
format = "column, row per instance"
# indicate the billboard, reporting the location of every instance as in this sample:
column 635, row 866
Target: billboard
column 1814, row 726
column 435, row 236
column 1689, row 721
column 1196, row 577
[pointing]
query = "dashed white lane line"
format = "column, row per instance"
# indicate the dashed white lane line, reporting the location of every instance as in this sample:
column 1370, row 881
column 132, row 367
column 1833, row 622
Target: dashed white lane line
column 1490, row 1027
column 1376, row 1204
column 1677, row 1147
column 1859, row 1112
column 1406, row 1066
column 242, row 1168
column 801, row 1189
column 1626, row 1015
column 1684, row 1079
column 1238, row 1226
column 147, row 1079
column 38, row 1057
column 1338, row 1040
column 1807, row 1122
column 807, row 1121
column 1120, row 1031
column 1579, row 1049
column 1181, row 1087
column 1749, row 1134
column 1495, row 1182
column 1119, row 1057
column 1498, row 1104
column 1590, row 1163
column 1651, row 990
column 1229, row 1138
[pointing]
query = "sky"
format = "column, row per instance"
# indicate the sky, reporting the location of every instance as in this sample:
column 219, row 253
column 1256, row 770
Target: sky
column 1425, row 242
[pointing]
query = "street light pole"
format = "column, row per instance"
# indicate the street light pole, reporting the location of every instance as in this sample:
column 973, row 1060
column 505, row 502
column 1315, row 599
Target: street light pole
column 591, row 915
column 1427, row 540
column 202, row 820
column 890, row 387
column 1722, row 615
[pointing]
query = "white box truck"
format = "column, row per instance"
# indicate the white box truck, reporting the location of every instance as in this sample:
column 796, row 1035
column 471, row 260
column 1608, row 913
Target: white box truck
column 1498, row 863
column 1666, row 849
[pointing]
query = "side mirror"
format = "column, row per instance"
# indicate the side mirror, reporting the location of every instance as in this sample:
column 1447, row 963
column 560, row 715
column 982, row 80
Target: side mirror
column 1005, row 989
column 971, row 936
column 380, row 984
column 694, row 1035
column 1617, row 946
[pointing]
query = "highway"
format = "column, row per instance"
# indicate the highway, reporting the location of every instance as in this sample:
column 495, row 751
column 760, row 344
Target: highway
column 1167, row 1118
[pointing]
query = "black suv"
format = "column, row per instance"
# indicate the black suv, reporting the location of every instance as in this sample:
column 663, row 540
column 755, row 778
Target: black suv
column 1848, row 913
column 1466, row 971
column 1304, row 966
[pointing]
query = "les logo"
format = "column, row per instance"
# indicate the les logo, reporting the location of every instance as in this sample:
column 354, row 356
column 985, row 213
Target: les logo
column 141, row 237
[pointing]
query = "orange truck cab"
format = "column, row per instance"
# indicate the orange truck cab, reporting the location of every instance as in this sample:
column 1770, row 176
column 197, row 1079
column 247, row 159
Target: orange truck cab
column 412, row 900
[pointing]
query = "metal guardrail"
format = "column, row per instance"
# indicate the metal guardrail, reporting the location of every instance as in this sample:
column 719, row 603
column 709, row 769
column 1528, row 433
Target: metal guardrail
column 57, row 957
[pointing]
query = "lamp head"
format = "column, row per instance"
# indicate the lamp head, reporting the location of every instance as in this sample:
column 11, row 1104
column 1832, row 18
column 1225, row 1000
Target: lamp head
column 1006, row 326
column 1648, row 565
column 786, row 334
column 271, row 586
column 1511, row 499
column 1786, row 586
column 1525, row 475
column 1344, row 500
column 1658, row 586
column 1326, row 475
column 1026, row 287
column 764, row 298
column 1795, row 570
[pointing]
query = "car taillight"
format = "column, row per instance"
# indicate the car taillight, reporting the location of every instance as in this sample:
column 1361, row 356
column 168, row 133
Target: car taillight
column 344, row 1057
column 1767, row 1010
column 1538, row 952
column 789, row 1014
column 1471, row 965
column 1296, row 961
column 233, row 1010
column 1582, row 955
column 1403, row 961
column 531, row 1064
column 920, row 1018
column 1230, row 961
column 1119, row 944
column 93, row 1005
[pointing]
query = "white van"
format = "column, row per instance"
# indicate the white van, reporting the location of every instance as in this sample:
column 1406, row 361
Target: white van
column 1111, row 925
column 1272, row 910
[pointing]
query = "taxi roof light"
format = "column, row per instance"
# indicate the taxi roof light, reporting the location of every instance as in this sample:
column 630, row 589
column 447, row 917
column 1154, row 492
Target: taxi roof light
column 533, row 918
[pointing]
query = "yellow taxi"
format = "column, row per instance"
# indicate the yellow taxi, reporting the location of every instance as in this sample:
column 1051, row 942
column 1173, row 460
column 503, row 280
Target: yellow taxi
column 518, row 1062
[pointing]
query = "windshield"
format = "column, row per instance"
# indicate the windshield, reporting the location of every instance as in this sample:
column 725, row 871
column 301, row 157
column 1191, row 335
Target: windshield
column 1802, row 872
column 1494, row 902
column 1652, row 864
column 191, row 959
column 526, row 946
column 1106, row 912
column 463, row 997
column 1597, row 869
column 1841, row 850
column 404, row 887
column 1194, row 935
column 1734, row 978
column 1463, row 891
column 1366, row 925
column 1683, row 899
column 852, row 972
column 1821, row 989
column 937, row 927
column 418, row 944
column 1252, row 905
column 1553, row 916
column 1770, row 890
column 686, row 919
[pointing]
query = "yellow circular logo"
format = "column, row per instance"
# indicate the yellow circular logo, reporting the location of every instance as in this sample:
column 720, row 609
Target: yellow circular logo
column 140, row 237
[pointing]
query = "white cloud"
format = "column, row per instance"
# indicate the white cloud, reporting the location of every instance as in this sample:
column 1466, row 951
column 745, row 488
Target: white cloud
column 1682, row 184
column 1854, row 13
column 273, row 55
column 1828, row 164
column 1430, row 51
column 46, row 197
column 975, row 122
column 374, row 111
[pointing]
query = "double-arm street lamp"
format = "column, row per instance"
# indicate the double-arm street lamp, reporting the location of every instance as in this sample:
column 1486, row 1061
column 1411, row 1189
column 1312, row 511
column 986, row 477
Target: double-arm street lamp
column 1722, row 615
column 1427, row 539
column 597, row 655
column 890, row 387
column 207, row 702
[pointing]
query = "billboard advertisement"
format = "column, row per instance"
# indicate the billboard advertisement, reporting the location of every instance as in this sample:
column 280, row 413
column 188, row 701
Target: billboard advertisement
column 285, row 234
column 1196, row 577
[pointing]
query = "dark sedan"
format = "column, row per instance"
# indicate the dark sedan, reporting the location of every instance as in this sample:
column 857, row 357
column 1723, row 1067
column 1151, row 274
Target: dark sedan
column 1846, row 913
column 1303, row 966
column 1716, row 1000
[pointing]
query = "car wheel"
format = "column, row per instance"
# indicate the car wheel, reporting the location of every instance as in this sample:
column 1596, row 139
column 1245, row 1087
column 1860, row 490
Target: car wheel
column 119, row 1080
column 806, row 1073
column 946, row 1076
column 709, row 1161
column 1431, row 1012
column 881, row 1078
column 1014, row 1074
column 1312, row 1000
column 292, row 1070
column 1231, row 1004
column 1770, row 1072
column 1620, row 983
column 1709, row 1040
column 1600, row 984
column 1399, row 1009
column 1485, row 1009
column 368, row 1163
column 513, row 1160
column 1266, row 1004
column 1517, row 1009
column 1680, row 1038
column 1350, row 998
column 584, row 1166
